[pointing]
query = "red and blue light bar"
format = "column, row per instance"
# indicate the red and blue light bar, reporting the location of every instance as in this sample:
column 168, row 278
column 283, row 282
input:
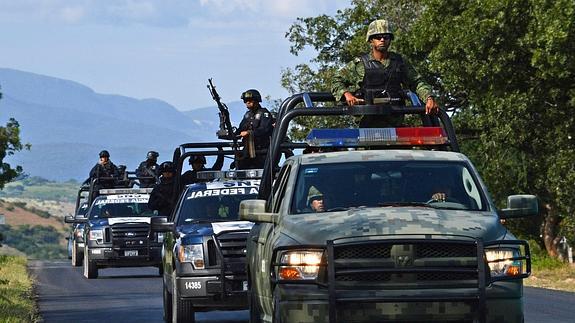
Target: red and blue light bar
column 415, row 136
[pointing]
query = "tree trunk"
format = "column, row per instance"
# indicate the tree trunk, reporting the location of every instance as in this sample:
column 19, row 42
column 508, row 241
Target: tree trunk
column 550, row 227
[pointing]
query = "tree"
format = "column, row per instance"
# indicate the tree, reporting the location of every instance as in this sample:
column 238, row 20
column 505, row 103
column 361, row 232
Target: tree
column 9, row 144
column 337, row 40
column 514, row 61
column 508, row 68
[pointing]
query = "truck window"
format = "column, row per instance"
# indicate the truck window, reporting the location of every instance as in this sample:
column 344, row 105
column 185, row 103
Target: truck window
column 381, row 183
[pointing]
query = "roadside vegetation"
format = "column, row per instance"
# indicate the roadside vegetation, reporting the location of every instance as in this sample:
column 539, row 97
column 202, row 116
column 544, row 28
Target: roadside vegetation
column 41, row 189
column 37, row 242
column 16, row 293
column 549, row 272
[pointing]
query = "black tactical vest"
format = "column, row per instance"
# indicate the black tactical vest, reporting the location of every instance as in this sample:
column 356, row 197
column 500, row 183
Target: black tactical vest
column 380, row 81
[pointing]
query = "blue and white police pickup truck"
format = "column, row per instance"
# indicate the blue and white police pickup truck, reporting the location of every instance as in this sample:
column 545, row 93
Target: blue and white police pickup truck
column 117, row 232
column 204, row 250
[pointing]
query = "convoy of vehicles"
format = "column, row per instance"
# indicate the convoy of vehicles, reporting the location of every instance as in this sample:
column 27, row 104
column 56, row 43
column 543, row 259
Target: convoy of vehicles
column 407, row 230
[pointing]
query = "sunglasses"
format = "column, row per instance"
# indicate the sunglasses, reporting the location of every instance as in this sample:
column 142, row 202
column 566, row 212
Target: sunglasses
column 381, row 37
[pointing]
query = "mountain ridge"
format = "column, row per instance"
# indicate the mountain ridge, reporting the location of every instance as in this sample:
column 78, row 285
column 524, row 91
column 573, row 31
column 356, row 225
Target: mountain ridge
column 68, row 123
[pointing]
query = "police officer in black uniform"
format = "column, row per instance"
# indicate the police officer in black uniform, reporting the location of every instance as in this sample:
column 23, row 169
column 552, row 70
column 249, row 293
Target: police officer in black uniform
column 105, row 171
column 149, row 170
column 162, row 196
column 198, row 164
column 104, row 174
column 256, row 130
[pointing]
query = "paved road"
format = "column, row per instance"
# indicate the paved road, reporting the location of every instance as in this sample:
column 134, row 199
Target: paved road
column 118, row 295
column 135, row 295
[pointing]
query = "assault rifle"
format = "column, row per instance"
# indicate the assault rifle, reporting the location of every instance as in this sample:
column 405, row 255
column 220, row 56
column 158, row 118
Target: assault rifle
column 227, row 131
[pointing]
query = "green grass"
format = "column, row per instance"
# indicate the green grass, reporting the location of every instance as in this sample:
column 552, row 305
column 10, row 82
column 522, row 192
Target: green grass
column 16, row 293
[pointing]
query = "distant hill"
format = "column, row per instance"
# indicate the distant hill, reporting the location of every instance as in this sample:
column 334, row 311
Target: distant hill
column 68, row 123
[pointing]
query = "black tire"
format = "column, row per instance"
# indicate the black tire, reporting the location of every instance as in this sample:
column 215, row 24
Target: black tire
column 90, row 268
column 255, row 314
column 76, row 256
column 167, row 304
column 276, row 310
column 182, row 310
column 69, row 248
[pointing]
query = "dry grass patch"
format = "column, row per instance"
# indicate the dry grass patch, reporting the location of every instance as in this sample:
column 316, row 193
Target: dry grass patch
column 560, row 278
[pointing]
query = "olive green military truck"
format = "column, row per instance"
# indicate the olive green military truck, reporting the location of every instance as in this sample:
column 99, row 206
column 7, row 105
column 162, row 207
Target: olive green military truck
column 388, row 225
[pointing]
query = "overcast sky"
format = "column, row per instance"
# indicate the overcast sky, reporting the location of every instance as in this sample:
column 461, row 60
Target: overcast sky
column 166, row 49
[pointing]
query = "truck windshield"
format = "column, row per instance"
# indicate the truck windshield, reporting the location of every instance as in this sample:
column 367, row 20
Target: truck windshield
column 102, row 209
column 340, row 186
column 210, row 208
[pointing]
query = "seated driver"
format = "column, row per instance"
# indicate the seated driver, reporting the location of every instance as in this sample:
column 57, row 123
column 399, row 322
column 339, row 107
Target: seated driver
column 315, row 201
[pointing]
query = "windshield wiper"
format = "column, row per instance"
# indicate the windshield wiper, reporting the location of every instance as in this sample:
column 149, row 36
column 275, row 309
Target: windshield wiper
column 195, row 221
column 336, row 209
column 393, row 204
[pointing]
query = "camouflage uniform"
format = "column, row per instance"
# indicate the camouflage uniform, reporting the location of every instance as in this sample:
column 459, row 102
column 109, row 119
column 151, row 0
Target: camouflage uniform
column 350, row 78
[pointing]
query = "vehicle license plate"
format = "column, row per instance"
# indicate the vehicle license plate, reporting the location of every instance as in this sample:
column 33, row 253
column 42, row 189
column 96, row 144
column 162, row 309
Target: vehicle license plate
column 245, row 283
column 130, row 253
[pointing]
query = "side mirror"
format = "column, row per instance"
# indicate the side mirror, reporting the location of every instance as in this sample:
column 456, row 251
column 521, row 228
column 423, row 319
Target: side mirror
column 161, row 224
column 519, row 206
column 255, row 211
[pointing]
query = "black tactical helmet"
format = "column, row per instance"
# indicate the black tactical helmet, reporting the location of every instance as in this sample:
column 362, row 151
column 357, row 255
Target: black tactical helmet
column 152, row 155
column 252, row 94
column 194, row 159
column 167, row 167
column 104, row 153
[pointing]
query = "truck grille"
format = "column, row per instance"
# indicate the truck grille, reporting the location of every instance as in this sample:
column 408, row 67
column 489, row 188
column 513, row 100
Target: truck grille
column 130, row 235
column 232, row 248
column 417, row 264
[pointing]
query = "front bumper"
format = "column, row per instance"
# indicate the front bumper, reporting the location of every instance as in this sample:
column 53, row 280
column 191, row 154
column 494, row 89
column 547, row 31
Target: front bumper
column 120, row 257
column 310, row 303
column 207, row 291
column 406, row 279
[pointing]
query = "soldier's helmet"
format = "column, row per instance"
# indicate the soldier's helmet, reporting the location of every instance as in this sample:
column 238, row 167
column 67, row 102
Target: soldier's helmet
column 252, row 94
column 313, row 194
column 380, row 26
column 194, row 159
column 167, row 167
column 104, row 153
column 153, row 155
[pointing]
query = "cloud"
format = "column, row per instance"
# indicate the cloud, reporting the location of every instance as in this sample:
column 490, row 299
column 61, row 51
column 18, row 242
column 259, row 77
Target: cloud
column 72, row 14
column 161, row 13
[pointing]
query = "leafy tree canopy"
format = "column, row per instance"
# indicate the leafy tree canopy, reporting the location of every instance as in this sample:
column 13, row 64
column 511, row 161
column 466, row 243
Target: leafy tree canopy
column 9, row 144
column 506, row 66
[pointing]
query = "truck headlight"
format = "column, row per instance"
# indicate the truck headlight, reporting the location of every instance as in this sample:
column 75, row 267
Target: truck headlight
column 192, row 253
column 299, row 264
column 502, row 262
column 96, row 235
